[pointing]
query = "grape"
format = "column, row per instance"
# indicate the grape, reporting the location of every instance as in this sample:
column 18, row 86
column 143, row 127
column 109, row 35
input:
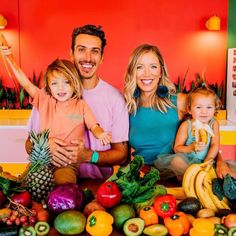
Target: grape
column 17, row 221
column 23, row 219
column 25, row 224
column 12, row 218
column 4, row 219
column 15, row 213
column 32, row 219
column 9, row 222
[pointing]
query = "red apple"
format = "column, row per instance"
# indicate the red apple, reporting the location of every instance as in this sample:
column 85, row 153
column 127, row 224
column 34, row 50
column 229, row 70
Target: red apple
column 23, row 198
column 2, row 199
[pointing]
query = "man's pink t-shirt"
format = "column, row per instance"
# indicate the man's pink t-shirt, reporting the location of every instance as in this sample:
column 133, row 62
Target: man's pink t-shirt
column 109, row 108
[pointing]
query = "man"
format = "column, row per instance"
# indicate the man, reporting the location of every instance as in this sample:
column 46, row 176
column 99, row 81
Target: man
column 106, row 102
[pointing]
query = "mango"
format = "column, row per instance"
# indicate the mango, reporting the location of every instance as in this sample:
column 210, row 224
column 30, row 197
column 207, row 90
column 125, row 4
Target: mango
column 70, row 222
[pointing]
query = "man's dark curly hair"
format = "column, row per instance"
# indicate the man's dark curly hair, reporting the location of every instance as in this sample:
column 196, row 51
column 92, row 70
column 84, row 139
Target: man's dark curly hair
column 91, row 30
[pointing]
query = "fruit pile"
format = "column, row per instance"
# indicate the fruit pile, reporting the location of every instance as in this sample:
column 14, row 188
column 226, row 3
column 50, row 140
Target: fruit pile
column 129, row 201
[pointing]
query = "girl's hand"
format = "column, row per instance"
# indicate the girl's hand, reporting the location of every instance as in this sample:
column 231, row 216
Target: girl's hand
column 200, row 146
column 105, row 138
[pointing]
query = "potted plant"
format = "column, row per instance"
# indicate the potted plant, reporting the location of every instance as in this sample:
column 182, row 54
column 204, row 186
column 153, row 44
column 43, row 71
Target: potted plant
column 14, row 104
column 218, row 89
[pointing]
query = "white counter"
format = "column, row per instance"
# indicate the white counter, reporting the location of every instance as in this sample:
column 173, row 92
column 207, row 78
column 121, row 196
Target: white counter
column 226, row 125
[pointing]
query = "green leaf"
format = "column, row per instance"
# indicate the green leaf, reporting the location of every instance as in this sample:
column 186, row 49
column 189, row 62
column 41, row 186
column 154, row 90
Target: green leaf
column 22, row 97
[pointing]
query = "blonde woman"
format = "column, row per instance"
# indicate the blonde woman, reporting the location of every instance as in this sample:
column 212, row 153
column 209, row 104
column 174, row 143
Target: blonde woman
column 154, row 107
column 155, row 110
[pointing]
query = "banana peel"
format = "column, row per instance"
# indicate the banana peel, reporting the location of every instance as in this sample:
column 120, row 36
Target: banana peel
column 201, row 131
column 177, row 192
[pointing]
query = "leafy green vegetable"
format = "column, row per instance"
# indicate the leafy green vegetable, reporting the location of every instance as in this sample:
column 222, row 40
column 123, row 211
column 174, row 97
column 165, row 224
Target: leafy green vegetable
column 217, row 188
column 225, row 187
column 8, row 186
column 229, row 187
column 134, row 187
column 158, row 191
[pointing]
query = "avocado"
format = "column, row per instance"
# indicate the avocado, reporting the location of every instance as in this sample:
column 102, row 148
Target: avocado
column 155, row 230
column 42, row 228
column 134, row 227
column 121, row 213
column 189, row 205
column 70, row 222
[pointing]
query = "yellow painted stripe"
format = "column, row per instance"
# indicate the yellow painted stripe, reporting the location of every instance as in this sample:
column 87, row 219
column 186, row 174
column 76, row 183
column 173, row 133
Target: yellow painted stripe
column 228, row 137
column 221, row 115
column 15, row 114
column 14, row 168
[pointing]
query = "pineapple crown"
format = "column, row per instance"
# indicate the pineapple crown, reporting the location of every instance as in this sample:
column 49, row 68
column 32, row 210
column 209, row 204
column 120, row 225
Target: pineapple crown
column 40, row 153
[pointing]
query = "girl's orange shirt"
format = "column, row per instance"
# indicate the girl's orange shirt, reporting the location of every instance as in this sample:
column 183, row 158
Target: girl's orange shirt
column 65, row 120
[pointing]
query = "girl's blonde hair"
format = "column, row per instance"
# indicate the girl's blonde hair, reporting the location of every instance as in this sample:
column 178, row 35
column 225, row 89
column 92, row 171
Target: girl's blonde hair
column 204, row 90
column 69, row 71
column 157, row 102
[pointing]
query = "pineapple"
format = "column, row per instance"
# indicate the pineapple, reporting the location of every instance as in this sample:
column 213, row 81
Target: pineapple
column 39, row 179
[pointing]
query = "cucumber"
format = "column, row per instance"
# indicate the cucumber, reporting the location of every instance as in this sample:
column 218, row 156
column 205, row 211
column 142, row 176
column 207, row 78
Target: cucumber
column 9, row 231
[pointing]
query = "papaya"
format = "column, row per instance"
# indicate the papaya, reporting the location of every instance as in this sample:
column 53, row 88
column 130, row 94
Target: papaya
column 64, row 175
column 70, row 222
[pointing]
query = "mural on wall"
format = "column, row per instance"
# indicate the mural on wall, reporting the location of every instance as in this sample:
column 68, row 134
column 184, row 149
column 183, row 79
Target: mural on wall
column 231, row 85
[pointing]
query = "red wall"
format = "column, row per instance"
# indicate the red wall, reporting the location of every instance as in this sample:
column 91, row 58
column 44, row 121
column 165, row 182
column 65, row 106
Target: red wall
column 40, row 30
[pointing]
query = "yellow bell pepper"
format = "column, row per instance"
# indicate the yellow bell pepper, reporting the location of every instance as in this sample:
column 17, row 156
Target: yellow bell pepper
column 203, row 227
column 99, row 223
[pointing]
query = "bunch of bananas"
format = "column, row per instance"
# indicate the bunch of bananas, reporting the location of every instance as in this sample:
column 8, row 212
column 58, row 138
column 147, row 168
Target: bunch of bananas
column 197, row 182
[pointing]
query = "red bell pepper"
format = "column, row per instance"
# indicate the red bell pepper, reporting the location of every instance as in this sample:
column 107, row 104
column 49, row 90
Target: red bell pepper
column 165, row 205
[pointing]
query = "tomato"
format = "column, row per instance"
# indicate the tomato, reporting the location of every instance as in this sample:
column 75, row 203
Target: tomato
column 109, row 194
column 23, row 198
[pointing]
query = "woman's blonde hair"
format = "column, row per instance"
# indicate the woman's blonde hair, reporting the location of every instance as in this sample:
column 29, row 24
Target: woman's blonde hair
column 157, row 102
column 69, row 71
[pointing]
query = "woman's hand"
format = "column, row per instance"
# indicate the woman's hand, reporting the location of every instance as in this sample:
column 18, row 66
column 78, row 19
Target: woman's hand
column 222, row 169
column 60, row 156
